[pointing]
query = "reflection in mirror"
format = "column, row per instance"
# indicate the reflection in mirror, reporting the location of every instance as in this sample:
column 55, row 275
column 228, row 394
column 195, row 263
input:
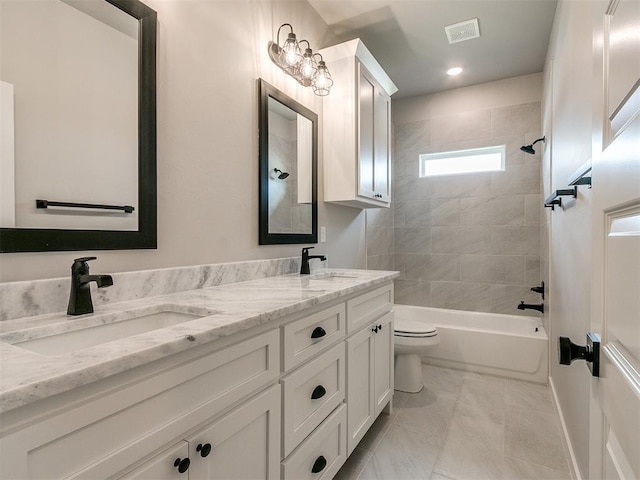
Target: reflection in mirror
column 83, row 119
column 288, row 185
column 78, row 125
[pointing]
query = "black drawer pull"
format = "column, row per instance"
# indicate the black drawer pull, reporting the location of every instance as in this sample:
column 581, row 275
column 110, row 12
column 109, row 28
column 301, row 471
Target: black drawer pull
column 318, row 332
column 318, row 392
column 319, row 464
column 375, row 329
column 204, row 450
column 182, row 464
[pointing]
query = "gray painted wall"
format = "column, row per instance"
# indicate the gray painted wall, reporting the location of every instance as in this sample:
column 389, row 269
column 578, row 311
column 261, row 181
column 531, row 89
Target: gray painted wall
column 210, row 55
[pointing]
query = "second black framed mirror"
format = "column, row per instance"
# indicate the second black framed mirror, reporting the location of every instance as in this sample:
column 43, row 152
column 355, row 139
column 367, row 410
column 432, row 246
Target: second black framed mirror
column 288, row 153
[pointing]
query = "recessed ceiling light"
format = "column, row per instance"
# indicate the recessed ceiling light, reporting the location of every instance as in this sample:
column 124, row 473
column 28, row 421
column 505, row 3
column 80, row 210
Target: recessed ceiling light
column 454, row 71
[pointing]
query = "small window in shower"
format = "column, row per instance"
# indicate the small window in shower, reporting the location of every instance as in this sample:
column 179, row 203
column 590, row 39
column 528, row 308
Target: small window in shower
column 475, row 160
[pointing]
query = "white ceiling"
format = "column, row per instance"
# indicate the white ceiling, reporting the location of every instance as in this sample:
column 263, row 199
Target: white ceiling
column 407, row 37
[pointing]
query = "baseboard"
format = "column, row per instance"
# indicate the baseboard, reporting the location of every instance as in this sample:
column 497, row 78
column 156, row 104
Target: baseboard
column 573, row 464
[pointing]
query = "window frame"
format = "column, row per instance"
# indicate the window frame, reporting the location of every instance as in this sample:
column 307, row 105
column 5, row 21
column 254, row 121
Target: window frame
column 424, row 158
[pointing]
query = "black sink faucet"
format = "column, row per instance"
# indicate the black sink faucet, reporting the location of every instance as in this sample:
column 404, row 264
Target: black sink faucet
column 304, row 267
column 80, row 295
column 524, row 306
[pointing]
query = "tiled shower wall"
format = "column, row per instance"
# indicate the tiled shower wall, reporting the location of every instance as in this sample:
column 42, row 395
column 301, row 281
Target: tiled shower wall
column 466, row 242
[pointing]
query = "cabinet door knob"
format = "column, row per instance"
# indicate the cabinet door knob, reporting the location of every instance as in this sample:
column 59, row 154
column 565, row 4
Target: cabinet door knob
column 379, row 327
column 375, row 329
column 204, row 450
column 318, row 332
column 318, row 392
column 319, row 464
column 182, row 464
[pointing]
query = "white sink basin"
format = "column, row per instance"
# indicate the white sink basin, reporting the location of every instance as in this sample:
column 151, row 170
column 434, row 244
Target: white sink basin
column 95, row 335
column 332, row 276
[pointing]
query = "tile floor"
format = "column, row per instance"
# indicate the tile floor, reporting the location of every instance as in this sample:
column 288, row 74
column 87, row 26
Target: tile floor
column 464, row 426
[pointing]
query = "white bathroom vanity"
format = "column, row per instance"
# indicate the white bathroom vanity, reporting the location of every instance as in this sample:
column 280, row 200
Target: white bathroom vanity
column 274, row 378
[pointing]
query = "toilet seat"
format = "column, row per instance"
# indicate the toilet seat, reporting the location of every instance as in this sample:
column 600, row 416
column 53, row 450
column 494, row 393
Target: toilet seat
column 409, row 328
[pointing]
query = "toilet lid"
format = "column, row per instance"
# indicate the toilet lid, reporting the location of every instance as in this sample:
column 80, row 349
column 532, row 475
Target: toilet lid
column 413, row 328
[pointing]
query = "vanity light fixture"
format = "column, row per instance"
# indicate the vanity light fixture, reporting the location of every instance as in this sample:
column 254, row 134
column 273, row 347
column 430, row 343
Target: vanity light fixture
column 304, row 67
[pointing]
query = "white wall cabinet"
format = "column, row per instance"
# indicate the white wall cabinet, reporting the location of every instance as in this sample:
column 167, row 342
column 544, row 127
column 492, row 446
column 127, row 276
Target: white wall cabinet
column 241, row 407
column 357, row 128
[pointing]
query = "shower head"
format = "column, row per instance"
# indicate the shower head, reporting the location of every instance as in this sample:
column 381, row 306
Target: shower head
column 281, row 175
column 529, row 148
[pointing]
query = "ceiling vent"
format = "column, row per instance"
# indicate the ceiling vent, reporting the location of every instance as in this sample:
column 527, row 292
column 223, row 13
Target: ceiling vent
column 459, row 32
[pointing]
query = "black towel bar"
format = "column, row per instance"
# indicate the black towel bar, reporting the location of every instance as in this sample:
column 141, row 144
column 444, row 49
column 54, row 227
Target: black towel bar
column 51, row 203
column 554, row 199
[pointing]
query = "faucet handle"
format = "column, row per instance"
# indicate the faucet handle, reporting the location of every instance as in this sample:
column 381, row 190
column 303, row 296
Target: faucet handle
column 80, row 266
column 84, row 259
column 306, row 249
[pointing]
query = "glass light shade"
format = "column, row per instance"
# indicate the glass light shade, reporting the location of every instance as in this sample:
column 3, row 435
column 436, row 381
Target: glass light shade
column 322, row 82
column 308, row 67
column 290, row 55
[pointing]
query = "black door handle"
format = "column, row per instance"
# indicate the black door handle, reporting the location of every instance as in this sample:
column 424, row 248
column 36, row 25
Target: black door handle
column 318, row 392
column 569, row 351
column 318, row 332
column 319, row 464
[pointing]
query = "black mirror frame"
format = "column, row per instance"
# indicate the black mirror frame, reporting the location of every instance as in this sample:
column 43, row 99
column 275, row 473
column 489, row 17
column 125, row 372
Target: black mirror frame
column 266, row 238
column 50, row 240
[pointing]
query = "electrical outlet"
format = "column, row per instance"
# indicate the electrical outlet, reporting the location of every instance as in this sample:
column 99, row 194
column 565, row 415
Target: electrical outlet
column 323, row 234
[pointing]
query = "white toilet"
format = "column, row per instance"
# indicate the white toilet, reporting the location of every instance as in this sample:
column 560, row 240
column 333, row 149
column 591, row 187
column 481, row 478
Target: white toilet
column 412, row 339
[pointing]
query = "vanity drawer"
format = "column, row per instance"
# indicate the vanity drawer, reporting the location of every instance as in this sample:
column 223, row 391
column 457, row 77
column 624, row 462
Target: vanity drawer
column 327, row 446
column 142, row 417
column 312, row 334
column 366, row 308
column 310, row 394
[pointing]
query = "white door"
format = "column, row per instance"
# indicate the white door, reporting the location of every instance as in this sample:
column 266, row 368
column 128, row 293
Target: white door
column 382, row 145
column 383, row 369
column 360, row 381
column 242, row 445
column 172, row 464
column 615, row 399
column 366, row 133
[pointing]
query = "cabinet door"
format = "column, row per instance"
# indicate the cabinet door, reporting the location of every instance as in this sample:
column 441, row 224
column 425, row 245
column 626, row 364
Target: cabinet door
column 366, row 133
column 383, row 368
column 162, row 467
column 360, row 385
column 382, row 146
column 243, row 444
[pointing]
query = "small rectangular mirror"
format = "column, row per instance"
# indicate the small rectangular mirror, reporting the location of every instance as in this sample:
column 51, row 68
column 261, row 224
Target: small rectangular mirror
column 288, row 169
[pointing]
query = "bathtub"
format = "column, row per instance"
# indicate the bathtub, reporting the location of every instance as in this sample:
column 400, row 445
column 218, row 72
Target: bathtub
column 509, row 346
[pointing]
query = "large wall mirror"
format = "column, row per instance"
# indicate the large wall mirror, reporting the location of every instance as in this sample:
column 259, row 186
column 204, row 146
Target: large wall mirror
column 77, row 125
column 288, row 169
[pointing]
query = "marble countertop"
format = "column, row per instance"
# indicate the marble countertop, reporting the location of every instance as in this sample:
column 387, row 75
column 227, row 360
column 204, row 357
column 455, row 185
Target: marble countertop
column 26, row 376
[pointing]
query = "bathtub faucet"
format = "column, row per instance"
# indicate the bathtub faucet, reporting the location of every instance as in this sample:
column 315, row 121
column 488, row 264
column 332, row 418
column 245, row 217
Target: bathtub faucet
column 525, row 306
